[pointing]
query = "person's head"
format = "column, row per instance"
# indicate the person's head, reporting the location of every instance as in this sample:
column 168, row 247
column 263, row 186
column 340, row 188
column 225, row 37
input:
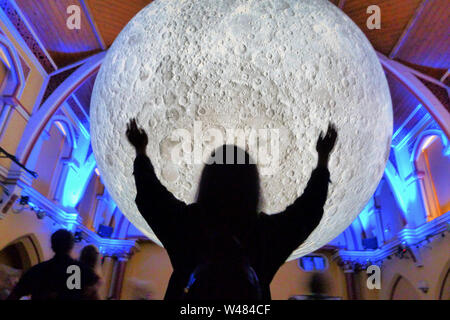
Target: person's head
column 62, row 241
column 89, row 256
column 318, row 284
column 229, row 186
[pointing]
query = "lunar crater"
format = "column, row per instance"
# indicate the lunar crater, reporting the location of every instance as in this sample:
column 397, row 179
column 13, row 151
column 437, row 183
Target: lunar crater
column 289, row 67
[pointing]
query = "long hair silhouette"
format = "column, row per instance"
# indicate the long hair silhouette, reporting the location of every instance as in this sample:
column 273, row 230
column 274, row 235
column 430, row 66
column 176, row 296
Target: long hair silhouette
column 229, row 189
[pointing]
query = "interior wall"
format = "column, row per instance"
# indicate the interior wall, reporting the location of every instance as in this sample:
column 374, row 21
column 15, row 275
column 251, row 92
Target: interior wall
column 87, row 203
column 48, row 158
column 391, row 215
column 404, row 290
column 3, row 73
column 10, row 140
column 147, row 271
column 29, row 97
column 14, row 226
column 439, row 167
column 150, row 270
column 290, row 280
column 35, row 79
column 435, row 258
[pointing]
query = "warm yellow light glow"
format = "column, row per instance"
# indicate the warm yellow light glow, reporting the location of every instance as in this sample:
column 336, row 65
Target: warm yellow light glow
column 61, row 128
column 4, row 59
column 427, row 142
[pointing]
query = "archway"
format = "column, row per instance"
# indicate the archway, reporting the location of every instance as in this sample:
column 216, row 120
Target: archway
column 403, row 290
column 443, row 283
column 22, row 253
column 17, row 257
column 433, row 165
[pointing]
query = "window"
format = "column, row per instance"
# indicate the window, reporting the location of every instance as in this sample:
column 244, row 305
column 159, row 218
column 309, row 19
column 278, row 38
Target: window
column 313, row 263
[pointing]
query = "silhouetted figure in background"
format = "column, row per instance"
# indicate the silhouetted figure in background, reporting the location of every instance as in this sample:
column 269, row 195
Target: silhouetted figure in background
column 48, row 280
column 90, row 258
column 224, row 223
column 318, row 287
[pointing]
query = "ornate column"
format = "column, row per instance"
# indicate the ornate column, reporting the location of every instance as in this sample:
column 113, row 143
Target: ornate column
column 67, row 166
column 119, row 273
column 32, row 160
column 351, row 282
column 429, row 201
column 379, row 225
column 117, row 253
column 107, row 271
column 5, row 116
column 102, row 205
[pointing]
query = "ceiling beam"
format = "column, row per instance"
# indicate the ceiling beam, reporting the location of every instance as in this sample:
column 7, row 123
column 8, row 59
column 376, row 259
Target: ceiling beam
column 38, row 120
column 407, row 76
column 33, row 33
column 407, row 29
column 93, row 24
column 445, row 76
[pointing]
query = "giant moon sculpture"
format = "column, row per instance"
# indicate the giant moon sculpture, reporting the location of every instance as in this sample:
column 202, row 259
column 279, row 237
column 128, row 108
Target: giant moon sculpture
column 285, row 66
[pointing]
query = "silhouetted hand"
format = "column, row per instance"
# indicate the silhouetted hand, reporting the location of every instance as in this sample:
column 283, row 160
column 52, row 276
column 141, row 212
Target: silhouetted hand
column 137, row 137
column 325, row 144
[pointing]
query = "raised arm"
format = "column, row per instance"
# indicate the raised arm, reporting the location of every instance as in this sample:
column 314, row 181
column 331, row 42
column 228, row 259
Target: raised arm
column 158, row 206
column 287, row 230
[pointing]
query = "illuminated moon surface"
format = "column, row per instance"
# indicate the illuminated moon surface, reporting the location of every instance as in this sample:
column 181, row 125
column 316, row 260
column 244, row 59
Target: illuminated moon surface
column 286, row 67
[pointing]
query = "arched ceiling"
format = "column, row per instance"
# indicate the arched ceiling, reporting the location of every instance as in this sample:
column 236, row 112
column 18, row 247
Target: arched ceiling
column 413, row 32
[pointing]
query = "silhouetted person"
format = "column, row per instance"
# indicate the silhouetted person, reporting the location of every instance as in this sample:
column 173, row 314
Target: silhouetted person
column 90, row 258
column 227, row 208
column 48, row 280
column 318, row 287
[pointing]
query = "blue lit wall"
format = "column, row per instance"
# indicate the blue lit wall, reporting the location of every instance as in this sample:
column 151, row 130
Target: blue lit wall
column 398, row 201
column 396, row 204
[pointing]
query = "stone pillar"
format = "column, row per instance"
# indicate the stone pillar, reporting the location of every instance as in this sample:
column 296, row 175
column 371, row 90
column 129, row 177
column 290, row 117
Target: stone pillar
column 119, row 273
column 107, row 271
column 57, row 186
column 350, row 284
column 102, row 205
column 380, row 228
column 33, row 158
column 351, row 280
column 5, row 116
column 430, row 204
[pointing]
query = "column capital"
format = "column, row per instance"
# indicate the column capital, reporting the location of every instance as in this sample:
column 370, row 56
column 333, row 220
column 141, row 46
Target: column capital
column 19, row 176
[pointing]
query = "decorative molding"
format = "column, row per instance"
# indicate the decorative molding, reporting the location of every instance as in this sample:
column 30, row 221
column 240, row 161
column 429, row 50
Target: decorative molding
column 70, row 219
column 39, row 119
column 25, row 67
column 409, row 237
column 55, row 81
column 398, row 132
column 407, row 76
column 21, row 26
column 109, row 247
column 408, row 140
column 79, row 115
column 16, row 78
column 16, row 173
column 439, row 91
column 3, row 173
column 65, row 218
column 429, row 131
